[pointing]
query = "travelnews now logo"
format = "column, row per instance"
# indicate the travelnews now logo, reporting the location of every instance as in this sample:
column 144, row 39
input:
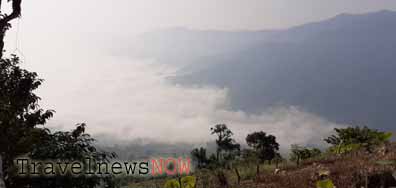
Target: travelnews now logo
column 155, row 167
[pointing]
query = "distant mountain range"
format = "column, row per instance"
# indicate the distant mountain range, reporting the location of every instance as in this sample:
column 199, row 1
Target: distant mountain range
column 343, row 69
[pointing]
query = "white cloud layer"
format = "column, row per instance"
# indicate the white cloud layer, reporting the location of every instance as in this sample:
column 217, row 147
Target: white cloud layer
column 130, row 99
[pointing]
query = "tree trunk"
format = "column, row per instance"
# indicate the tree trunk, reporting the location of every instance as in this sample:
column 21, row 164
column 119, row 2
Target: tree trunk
column 2, row 183
column 298, row 160
column 257, row 172
column 6, row 18
column 218, row 155
column 1, row 44
column 4, row 22
column 238, row 175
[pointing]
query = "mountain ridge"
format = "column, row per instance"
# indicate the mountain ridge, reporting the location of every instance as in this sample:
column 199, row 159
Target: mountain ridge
column 340, row 68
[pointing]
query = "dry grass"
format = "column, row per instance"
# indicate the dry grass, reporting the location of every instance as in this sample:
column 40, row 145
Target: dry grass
column 355, row 170
column 358, row 169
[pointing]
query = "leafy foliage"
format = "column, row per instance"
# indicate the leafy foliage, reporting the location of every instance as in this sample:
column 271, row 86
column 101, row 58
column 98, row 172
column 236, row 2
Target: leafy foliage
column 354, row 137
column 344, row 148
column 265, row 145
column 20, row 113
column 299, row 153
column 20, row 134
column 227, row 148
column 75, row 145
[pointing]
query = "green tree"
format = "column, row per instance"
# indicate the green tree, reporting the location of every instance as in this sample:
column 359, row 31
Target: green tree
column 75, row 145
column 5, row 25
column 265, row 145
column 20, row 133
column 355, row 137
column 299, row 153
column 20, row 114
column 227, row 148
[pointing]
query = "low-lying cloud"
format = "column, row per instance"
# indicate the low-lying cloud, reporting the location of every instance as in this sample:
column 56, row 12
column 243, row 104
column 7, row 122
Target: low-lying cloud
column 131, row 99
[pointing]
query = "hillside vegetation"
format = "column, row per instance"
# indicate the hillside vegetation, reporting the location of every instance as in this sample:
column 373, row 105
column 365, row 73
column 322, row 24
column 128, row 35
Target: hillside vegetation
column 353, row 170
column 358, row 157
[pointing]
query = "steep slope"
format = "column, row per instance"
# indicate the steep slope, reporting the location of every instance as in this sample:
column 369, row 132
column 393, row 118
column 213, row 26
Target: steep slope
column 342, row 69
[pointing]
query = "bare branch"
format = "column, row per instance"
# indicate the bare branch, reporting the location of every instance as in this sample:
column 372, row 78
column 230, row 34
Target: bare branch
column 4, row 22
column 16, row 12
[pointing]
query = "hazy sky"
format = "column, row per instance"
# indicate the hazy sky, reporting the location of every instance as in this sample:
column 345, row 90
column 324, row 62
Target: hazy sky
column 64, row 42
column 123, row 16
